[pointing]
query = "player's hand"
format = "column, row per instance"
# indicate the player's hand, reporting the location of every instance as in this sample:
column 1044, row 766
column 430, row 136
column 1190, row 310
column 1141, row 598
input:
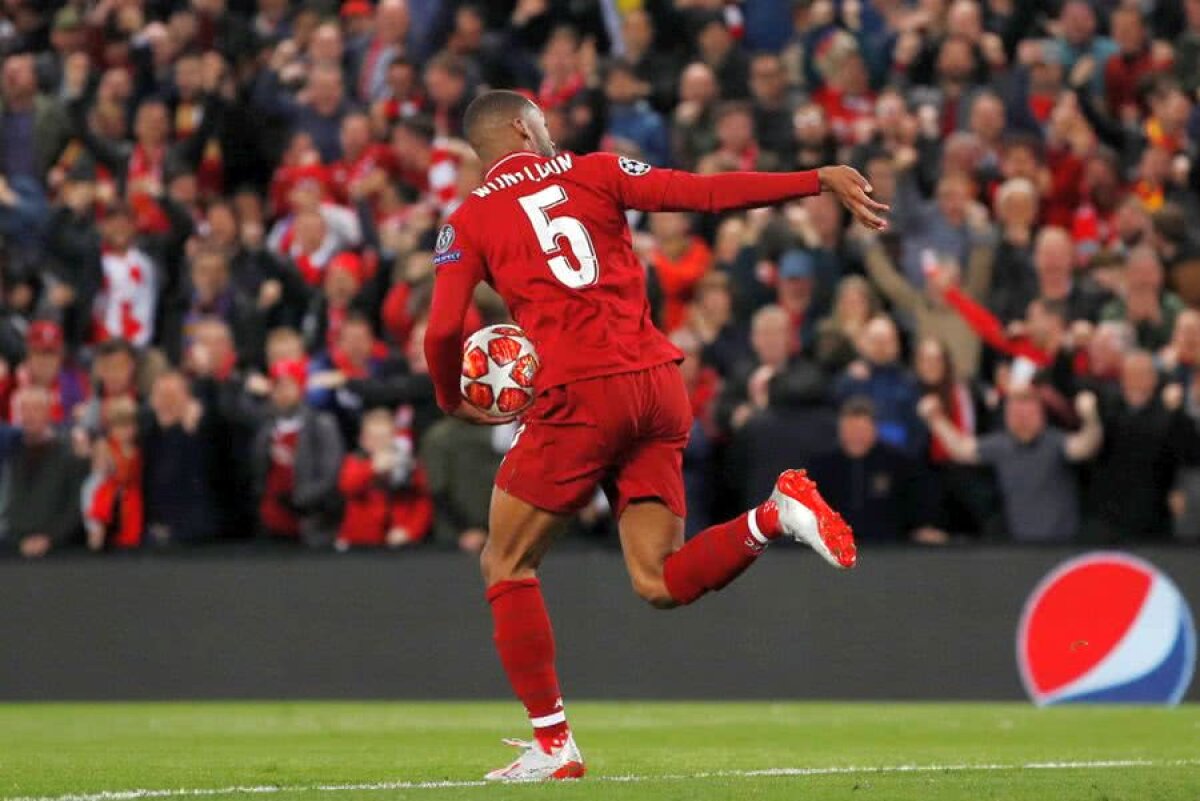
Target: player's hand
column 854, row 191
column 466, row 411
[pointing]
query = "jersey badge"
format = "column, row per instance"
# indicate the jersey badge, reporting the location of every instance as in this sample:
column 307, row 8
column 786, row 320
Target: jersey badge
column 445, row 239
column 633, row 166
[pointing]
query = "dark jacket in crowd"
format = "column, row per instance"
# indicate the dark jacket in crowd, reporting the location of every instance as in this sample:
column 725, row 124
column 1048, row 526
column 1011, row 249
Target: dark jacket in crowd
column 460, row 462
column 39, row 493
column 179, row 482
column 797, row 425
column 884, row 495
column 73, row 245
column 1128, row 483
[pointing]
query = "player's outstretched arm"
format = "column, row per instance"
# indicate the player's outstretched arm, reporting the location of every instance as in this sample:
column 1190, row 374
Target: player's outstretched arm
column 646, row 189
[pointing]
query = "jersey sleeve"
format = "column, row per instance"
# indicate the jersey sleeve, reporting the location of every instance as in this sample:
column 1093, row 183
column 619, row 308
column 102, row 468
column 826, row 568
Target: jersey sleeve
column 459, row 268
column 637, row 185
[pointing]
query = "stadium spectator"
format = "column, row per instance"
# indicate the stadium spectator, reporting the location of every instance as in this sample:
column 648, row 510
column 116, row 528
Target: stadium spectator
column 1032, row 462
column 965, row 493
column 296, row 456
column 386, row 502
column 879, row 375
column 883, row 494
column 114, row 511
column 694, row 129
column 710, row 318
column 1147, row 438
column 679, row 259
column 35, row 126
column 460, row 462
column 932, row 316
column 855, row 303
column 211, row 294
column 46, row 366
column 1144, row 303
column 39, row 493
column 772, row 106
column 115, row 366
column 717, row 47
column 316, row 111
column 630, row 116
column 178, row 465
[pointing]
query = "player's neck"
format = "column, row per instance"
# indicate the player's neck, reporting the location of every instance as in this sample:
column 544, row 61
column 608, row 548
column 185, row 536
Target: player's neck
column 496, row 161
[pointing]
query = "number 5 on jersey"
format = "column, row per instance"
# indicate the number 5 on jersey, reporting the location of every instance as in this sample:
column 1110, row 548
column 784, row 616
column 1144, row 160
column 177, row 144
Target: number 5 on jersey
column 549, row 229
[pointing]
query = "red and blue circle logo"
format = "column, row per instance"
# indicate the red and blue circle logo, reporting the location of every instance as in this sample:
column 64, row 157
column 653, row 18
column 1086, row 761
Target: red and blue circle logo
column 1106, row 628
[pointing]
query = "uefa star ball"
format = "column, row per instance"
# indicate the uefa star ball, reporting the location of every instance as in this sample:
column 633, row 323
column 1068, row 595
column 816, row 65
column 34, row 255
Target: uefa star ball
column 498, row 368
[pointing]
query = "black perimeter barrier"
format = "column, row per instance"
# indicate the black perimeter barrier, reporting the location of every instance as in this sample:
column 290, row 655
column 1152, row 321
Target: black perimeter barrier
column 906, row 624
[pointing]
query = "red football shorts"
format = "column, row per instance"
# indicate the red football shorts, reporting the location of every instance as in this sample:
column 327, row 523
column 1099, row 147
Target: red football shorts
column 625, row 433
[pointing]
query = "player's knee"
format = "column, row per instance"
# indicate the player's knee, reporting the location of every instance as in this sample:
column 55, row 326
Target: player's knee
column 653, row 590
column 504, row 564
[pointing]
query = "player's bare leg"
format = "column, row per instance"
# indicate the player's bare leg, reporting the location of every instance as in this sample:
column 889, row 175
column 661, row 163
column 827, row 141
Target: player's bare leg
column 667, row 572
column 650, row 533
column 519, row 535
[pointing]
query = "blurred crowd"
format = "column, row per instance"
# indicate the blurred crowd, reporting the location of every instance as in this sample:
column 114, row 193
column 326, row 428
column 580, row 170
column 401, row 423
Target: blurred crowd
column 217, row 220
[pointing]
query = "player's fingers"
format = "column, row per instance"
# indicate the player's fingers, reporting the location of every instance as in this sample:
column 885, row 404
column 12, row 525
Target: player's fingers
column 871, row 203
column 868, row 217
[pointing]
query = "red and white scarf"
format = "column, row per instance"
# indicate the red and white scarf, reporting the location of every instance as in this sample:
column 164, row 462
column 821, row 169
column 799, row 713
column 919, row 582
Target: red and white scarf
column 128, row 298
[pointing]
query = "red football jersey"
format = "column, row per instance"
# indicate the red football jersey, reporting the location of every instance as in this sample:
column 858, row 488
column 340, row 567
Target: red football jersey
column 551, row 237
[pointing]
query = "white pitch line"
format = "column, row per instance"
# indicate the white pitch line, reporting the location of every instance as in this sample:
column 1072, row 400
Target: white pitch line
column 270, row 789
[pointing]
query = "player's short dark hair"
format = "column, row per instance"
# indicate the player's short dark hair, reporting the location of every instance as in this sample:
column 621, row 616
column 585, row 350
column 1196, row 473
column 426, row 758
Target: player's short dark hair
column 490, row 108
column 857, row 406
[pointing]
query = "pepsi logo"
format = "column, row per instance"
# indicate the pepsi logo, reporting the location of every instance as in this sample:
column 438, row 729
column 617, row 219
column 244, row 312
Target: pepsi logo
column 1106, row 627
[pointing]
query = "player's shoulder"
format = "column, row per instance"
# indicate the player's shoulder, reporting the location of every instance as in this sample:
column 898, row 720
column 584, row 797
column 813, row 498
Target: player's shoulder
column 612, row 163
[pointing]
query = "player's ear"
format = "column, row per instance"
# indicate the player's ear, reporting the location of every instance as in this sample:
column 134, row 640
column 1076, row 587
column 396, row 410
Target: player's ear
column 522, row 128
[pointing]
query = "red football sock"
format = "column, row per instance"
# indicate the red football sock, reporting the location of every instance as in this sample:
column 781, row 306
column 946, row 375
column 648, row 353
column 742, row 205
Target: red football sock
column 719, row 554
column 525, row 643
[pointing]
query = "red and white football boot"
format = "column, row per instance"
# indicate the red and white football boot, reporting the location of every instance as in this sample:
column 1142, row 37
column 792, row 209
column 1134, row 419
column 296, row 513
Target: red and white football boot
column 806, row 518
column 536, row 765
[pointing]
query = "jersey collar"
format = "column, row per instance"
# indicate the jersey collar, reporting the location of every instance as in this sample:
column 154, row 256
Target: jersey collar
column 510, row 156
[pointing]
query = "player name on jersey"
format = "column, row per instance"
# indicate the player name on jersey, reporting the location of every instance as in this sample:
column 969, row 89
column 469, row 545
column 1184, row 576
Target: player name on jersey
column 530, row 172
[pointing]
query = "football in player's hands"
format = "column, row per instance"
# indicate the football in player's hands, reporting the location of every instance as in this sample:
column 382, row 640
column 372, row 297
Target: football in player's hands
column 498, row 370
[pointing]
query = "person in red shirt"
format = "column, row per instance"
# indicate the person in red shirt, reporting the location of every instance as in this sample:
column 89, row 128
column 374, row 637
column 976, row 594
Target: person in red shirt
column 1125, row 70
column 384, row 489
column 116, row 512
column 548, row 232
column 363, row 161
column 680, row 259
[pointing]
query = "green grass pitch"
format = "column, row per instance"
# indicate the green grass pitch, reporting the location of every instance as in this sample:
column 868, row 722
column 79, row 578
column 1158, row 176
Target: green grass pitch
column 684, row 751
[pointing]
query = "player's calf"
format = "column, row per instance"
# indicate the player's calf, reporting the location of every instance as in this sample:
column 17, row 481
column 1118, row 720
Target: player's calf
column 718, row 555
